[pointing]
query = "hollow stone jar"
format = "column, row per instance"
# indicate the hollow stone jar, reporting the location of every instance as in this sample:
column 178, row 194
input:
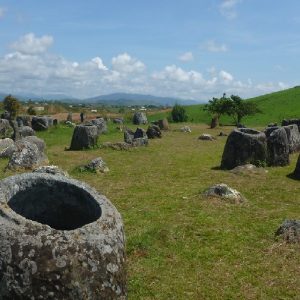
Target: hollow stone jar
column 59, row 239
column 244, row 146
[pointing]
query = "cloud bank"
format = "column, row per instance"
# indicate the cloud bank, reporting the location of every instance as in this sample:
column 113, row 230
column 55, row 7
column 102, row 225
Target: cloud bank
column 31, row 67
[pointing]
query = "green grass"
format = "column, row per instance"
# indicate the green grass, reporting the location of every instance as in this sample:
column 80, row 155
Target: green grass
column 275, row 107
column 181, row 245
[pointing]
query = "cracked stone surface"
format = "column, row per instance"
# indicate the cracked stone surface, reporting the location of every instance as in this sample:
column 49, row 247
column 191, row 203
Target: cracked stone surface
column 96, row 165
column 289, row 231
column 28, row 154
column 84, row 137
column 244, row 146
column 222, row 190
column 54, row 170
column 60, row 239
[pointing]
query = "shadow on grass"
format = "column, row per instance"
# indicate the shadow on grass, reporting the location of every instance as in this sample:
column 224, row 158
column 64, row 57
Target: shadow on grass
column 292, row 176
column 218, row 168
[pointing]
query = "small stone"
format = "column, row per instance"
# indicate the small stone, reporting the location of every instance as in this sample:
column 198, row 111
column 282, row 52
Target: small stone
column 224, row 191
column 248, row 169
column 96, row 165
column 153, row 132
column 70, row 124
column 206, row 137
column 289, row 231
column 118, row 121
column 222, row 133
column 186, row 129
column 117, row 145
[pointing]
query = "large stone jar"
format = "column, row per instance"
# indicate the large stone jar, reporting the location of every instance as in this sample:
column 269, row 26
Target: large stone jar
column 84, row 137
column 59, row 239
column 244, row 146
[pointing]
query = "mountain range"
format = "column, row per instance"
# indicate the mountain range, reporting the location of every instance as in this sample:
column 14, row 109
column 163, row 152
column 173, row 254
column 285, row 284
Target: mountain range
column 119, row 99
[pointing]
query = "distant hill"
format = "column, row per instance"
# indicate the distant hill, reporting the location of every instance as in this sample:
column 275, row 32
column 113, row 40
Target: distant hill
column 127, row 99
column 35, row 97
column 120, row 99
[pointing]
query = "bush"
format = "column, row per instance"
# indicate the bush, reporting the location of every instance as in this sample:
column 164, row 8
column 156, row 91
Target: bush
column 12, row 105
column 178, row 114
column 31, row 111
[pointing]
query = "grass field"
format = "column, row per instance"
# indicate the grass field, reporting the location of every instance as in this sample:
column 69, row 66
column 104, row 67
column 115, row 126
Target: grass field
column 275, row 107
column 181, row 245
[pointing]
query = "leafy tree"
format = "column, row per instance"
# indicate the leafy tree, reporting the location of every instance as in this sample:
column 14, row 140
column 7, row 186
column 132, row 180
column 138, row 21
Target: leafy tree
column 31, row 111
column 12, row 105
column 218, row 107
column 241, row 108
column 178, row 114
column 233, row 106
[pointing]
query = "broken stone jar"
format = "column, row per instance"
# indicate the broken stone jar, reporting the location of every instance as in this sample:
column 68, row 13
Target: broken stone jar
column 59, row 239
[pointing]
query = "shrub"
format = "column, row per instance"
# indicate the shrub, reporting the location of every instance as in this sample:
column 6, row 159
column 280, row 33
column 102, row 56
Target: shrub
column 12, row 105
column 178, row 114
column 31, row 111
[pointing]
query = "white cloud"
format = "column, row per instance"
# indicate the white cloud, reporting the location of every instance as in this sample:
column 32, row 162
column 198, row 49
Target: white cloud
column 228, row 8
column 125, row 63
column 212, row 46
column 177, row 74
column 187, row 56
column 42, row 72
column 30, row 44
column 98, row 61
column 225, row 76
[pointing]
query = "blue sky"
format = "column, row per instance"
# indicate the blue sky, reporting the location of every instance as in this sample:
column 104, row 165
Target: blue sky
column 188, row 49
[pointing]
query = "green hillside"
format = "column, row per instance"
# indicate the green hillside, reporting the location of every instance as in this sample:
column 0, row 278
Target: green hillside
column 275, row 107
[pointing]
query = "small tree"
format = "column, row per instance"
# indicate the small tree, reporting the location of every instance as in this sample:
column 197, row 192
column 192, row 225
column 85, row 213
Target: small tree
column 31, row 111
column 218, row 107
column 178, row 114
column 12, row 105
column 241, row 108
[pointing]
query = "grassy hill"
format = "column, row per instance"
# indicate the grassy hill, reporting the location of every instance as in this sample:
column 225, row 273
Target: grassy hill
column 275, row 107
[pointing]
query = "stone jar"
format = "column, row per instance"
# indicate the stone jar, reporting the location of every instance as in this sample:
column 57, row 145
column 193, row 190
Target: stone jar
column 84, row 137
column 244, row 146
column 59, row 239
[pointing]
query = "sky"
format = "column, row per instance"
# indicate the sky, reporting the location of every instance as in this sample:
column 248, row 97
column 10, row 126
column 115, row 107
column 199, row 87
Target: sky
column 187, row 49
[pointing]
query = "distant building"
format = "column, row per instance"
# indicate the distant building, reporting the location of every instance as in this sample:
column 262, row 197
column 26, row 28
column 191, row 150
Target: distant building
column 94, row 110
column 39, row 108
